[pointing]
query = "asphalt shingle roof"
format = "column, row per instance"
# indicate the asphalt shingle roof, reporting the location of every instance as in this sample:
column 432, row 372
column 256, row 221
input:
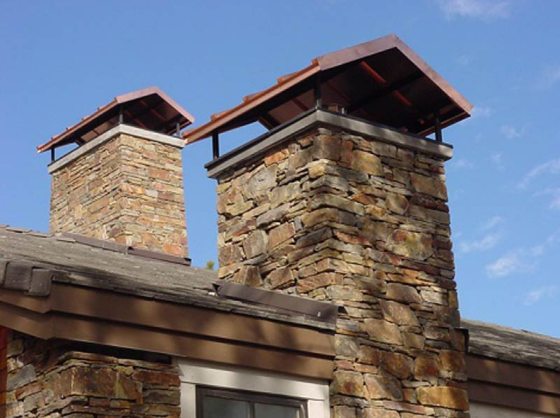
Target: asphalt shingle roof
column 37, row 259
column 73, row 262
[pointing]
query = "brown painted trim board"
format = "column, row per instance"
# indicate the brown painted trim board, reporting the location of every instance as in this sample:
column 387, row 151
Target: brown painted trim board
column 510, row 374
column 134, row 310
column 513, row 398
column 512, row 385
column 51, row 326
column 126, row 321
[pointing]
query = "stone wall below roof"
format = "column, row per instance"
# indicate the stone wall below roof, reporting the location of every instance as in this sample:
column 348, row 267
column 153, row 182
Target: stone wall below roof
column 47, row 379
column 365, row 224
column 129, row 190
column 3, row 370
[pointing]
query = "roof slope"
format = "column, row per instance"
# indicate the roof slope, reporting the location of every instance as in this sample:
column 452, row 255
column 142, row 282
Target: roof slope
column 96, row 293
column 383, row 81
column 104, row 268
column 513, row 345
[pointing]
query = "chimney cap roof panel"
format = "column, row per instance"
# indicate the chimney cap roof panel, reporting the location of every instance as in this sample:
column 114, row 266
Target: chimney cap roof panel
column 362, row 79
column 148, row 108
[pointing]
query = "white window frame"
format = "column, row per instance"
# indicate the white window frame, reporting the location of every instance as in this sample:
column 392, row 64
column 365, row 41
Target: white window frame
column 314, row 392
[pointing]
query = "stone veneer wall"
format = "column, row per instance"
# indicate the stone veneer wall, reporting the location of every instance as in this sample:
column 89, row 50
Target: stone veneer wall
column 47, row 380
column 364, row 224
column 3, row 370
column 127, row 189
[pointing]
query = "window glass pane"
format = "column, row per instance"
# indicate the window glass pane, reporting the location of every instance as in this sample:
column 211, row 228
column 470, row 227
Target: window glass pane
column 276, row 411
column 224, row 408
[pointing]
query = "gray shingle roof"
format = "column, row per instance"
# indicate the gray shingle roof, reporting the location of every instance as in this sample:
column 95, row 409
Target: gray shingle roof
column 37, row 258
column 513, row 345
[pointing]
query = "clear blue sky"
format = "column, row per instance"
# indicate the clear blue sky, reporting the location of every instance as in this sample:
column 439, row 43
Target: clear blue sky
column 59, row 60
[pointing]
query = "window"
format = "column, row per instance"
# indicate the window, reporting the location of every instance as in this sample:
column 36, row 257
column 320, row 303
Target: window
column 215, row 403
column 214, row 391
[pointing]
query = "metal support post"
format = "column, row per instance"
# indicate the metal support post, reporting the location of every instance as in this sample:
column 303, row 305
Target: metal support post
column 317, row 93
column 439, row 133
column 215, row 145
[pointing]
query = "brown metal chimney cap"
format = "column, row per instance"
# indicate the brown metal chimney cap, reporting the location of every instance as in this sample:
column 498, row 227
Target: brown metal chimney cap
column 148, row 108
column 381, row 81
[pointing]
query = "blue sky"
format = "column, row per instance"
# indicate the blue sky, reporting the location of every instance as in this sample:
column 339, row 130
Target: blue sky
column 59, row 60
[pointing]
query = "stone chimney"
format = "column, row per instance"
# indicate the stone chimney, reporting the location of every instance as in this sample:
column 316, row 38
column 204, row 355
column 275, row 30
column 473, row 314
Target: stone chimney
column 124, row 181
column 337, row 207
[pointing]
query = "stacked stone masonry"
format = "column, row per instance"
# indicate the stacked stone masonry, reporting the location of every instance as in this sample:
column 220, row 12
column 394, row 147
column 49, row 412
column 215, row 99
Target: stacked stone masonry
column 45, row 379
column 129, row 190
column 3, row 370
column 365, row 224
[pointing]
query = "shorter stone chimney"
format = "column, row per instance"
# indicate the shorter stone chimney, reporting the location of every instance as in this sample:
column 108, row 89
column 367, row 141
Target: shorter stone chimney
column 124, row 181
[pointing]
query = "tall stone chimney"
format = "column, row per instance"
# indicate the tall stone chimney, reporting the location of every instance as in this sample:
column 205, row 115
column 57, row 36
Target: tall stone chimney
column 337, row 206
column 124, row 181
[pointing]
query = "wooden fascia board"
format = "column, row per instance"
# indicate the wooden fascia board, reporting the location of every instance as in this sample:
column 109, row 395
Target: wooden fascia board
column 520, row 376
column 515, row 398
column 513, row 385
column 19, row 299
column 195, row 347
column 105, row 306
column 28, row 322
column 89, row 330
column 189, row 319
